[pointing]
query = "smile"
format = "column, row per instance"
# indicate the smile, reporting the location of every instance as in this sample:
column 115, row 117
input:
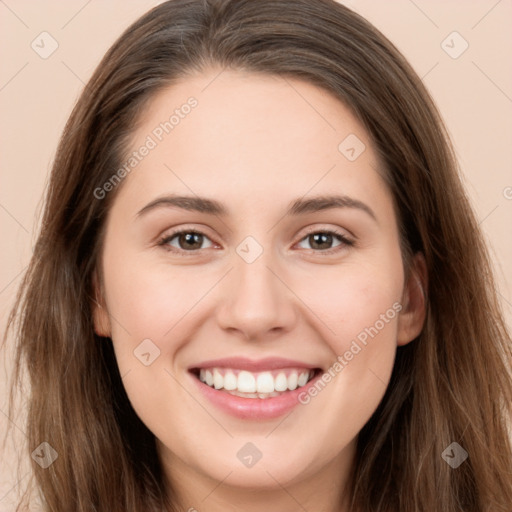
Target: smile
column 254, row 390
column 246, row 384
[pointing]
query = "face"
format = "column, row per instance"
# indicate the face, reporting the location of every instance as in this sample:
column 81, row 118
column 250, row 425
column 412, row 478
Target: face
column 279, row 267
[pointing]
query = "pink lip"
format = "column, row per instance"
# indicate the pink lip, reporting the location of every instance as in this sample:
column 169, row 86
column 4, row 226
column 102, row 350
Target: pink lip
column 254, row 408
column 242, row 363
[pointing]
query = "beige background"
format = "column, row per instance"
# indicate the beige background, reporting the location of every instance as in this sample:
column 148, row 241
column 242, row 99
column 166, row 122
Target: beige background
column 473, row 92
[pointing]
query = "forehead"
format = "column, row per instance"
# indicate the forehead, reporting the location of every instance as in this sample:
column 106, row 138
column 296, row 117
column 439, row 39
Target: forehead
column 253, row 135
column 242, row 106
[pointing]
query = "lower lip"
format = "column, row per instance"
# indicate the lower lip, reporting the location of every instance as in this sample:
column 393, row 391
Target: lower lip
column 255, row 408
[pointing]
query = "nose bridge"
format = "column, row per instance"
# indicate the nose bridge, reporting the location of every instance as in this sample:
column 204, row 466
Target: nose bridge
column 256, row 301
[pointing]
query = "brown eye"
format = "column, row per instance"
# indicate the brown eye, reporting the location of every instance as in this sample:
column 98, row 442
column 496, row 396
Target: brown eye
column 322, row 241
column 190, row 240
column 186, row 240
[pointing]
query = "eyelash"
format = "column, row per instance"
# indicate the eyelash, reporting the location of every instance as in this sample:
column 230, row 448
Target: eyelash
column 164, row 241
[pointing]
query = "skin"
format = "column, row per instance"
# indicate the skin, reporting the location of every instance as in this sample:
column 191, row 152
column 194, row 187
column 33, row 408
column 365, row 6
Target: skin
column 255, row 143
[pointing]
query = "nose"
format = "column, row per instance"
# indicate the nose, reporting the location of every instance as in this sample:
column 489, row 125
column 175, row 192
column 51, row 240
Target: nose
column 256, row 302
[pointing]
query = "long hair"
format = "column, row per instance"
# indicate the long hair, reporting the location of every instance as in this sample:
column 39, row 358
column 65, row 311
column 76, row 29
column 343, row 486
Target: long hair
column 451, row 384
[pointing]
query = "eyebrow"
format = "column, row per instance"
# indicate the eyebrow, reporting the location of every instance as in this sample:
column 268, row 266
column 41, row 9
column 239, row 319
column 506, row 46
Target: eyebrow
column 300, row 206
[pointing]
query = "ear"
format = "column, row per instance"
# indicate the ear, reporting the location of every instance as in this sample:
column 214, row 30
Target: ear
column 101, row 318
column 414, row 301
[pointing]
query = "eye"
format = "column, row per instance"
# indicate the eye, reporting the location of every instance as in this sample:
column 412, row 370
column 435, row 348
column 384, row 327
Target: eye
column 191, row 241
column 321, row 241
column 187, row 240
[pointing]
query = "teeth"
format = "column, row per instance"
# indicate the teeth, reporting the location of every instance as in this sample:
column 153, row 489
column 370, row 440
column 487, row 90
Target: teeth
column 265, row 383
column 218, row 380
column 302, row 380
column 292, row 381
column 255, row 385
column 230, row 381
column 281, row 382
column 246, row 382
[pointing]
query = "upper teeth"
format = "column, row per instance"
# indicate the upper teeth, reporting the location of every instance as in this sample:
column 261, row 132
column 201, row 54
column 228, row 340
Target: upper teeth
column 248, row 382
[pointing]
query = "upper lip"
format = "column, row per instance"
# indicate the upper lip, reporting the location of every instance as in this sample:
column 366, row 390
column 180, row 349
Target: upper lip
column 251, row 365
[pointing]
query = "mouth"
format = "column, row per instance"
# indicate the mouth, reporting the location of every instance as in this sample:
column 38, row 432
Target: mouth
column 264, row 385
column 254, row 390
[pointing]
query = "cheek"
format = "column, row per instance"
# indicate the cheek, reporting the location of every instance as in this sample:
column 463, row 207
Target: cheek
column 359, row 312
column 149, row 300
column 150, row 310
column 353, row 299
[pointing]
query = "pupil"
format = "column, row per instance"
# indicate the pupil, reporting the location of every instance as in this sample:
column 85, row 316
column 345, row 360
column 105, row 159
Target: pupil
column 321, row 238
column 190, row 237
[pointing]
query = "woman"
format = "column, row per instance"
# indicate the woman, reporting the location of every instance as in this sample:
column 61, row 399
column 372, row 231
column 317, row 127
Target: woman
column 262, row 369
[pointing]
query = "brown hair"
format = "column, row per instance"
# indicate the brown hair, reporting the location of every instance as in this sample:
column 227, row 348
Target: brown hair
column 451, row 384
